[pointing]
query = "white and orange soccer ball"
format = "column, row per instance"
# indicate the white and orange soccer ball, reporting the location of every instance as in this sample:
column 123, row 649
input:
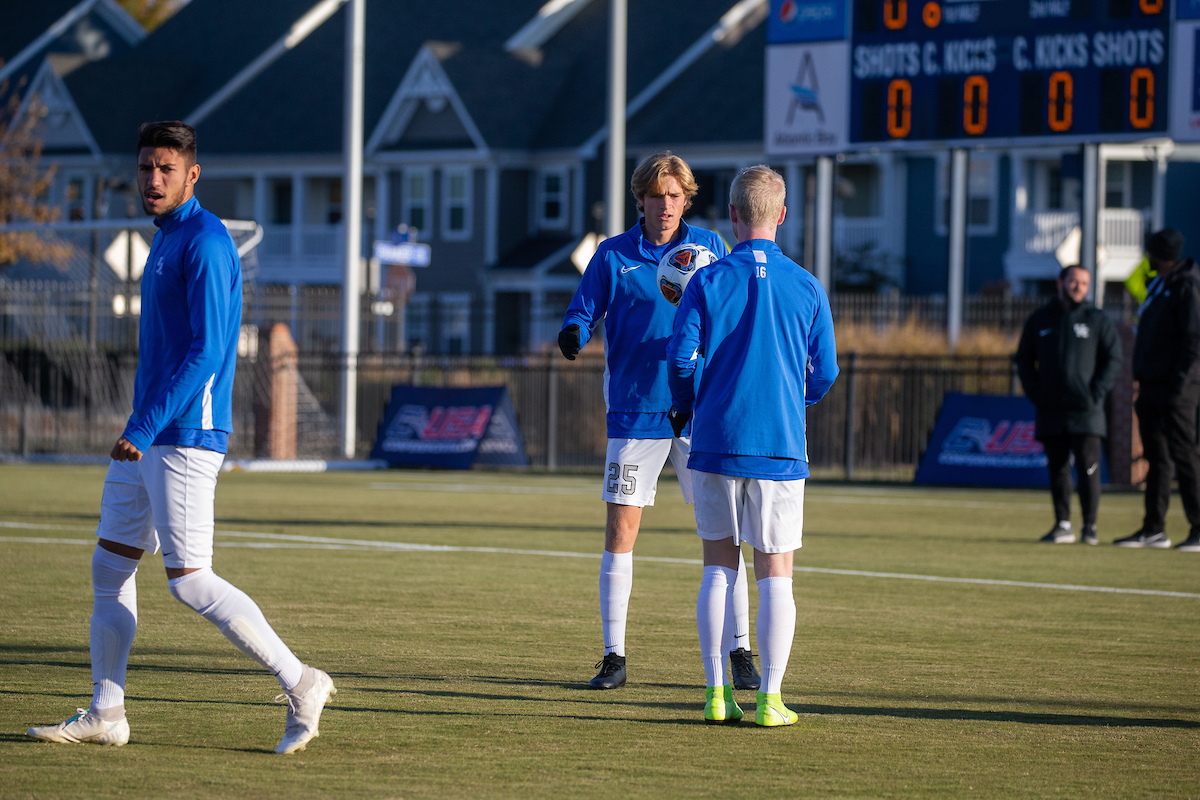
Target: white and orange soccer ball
column 677, row 268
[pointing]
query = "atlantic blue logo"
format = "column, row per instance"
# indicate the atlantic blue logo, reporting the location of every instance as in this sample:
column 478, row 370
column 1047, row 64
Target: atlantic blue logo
column 806, row 92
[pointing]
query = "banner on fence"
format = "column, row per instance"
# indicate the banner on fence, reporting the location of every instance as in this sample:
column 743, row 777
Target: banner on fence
column 984, row 440
column 451, row 428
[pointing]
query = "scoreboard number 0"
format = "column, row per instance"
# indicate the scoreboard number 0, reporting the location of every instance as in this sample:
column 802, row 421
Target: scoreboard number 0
column 1060, row 109
column 1141, row 98
column 975, row 105
column 899, row 108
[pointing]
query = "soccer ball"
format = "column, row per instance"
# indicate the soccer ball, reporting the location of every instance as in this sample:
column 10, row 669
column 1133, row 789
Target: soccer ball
column 677, row 268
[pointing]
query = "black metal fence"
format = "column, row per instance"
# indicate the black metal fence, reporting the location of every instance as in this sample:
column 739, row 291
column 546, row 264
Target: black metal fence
column 873, row 424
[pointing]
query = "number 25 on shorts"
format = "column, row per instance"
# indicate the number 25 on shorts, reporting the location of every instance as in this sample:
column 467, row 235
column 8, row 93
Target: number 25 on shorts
column 622, row 480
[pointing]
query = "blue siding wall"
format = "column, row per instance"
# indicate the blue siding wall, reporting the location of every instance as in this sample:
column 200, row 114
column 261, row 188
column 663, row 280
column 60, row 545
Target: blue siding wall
column 927, row 262
column 1182, row 210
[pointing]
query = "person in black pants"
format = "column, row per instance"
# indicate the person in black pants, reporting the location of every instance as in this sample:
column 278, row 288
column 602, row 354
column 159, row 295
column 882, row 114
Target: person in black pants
column 1068, row 360
column 1166, row 364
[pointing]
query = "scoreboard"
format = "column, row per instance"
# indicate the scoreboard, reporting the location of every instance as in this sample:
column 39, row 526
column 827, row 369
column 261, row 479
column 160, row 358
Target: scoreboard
column 923, row 70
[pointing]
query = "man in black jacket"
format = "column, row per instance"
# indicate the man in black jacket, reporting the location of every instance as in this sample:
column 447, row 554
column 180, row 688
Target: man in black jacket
column 1068, row 360
column 1166, row 364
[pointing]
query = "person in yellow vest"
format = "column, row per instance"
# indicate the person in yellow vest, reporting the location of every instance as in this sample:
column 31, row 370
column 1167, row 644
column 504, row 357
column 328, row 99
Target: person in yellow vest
column 1141, row 276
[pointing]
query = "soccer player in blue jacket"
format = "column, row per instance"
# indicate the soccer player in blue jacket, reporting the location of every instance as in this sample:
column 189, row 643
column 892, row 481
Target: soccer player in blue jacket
column 161, row 481
column 620, row 287
column 763, row 325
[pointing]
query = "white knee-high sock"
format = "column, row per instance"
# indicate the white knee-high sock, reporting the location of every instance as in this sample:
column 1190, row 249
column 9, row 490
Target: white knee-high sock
column 113, row 625
column 739, row 636
column 616, row 582
column 712, row 620
column 240, row 620
column 775, row 630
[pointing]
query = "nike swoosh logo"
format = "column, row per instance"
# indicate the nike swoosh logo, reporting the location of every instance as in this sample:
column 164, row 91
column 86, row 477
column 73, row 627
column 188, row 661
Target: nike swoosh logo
column 1092, row 468
column 1046, row 332
column 630, row 269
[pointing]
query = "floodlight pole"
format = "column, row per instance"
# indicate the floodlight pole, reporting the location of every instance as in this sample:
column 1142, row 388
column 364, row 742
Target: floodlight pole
column 1089, row 220
column 352, row 218
column 823, row 252
column 958, row 246
column 614, row 183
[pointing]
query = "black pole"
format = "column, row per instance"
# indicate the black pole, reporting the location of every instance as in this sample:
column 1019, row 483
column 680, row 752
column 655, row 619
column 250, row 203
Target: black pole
column 851, row 403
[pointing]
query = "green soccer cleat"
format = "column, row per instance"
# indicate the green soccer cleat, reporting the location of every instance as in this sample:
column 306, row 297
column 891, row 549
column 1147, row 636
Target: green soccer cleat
column 720, row 708
column 772, row 713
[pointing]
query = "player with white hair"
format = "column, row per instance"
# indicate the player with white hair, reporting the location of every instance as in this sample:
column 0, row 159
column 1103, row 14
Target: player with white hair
column 162, row 479
column 620, row 285
column 765, row 328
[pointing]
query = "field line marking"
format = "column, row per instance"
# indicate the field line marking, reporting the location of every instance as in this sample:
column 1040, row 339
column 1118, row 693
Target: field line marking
column 297, row 541
column 810, row 497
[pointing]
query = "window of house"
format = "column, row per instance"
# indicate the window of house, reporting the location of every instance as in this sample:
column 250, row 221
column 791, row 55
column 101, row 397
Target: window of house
column 456, row 203
column 552, row 202
column 416, row 322
column 981, row 195
column 1117, row 184
column 417, row 198
column 323, row 201
column 76, row 204
column 281, row 201
column 857, row 190
column 455, row 310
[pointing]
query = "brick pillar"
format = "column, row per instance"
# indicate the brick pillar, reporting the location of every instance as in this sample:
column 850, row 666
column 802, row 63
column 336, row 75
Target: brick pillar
column 1126, row 466
column 285, row 382
column 276, row 390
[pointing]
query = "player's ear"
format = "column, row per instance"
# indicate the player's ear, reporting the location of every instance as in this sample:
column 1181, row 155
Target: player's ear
column 782, row 214
column 733, row 215
column 193, row 174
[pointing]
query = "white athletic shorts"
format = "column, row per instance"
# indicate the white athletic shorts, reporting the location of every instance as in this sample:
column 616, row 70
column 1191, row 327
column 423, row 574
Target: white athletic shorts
column 631, row 477
column 165, row 499
column 769, row 515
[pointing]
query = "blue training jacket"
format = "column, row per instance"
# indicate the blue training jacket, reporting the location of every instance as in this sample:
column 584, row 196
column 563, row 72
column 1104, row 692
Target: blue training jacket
column 620, row 285
column 191, row 315
column 764, row 326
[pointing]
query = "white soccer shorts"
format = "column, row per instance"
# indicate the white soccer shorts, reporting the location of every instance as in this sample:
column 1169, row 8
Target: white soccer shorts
column 768, row 515
column 165, row 499
column 633, row 467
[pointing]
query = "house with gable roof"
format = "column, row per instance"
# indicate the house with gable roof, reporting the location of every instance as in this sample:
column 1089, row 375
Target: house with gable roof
column 485, row 133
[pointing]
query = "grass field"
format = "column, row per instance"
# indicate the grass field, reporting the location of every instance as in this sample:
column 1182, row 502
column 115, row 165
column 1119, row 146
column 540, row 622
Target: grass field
column 462, row 662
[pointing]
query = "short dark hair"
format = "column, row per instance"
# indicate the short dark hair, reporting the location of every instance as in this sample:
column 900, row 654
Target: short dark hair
column 1062, row 274
column 171, row 134
column 1166, row 245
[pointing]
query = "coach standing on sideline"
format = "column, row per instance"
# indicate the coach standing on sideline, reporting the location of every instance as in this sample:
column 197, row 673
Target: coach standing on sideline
column 161, row 482
column 620, row 286
column 1068, row 360
column 1166, row 364
column 764, row 327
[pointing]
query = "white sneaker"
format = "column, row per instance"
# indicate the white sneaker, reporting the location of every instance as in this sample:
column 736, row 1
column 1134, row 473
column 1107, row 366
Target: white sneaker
column 304, row 709
column 84, row 728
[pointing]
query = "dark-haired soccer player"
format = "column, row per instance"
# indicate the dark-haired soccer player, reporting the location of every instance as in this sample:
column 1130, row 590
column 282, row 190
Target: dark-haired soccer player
column 765, row 328
column 620, row 286
column 161, row 482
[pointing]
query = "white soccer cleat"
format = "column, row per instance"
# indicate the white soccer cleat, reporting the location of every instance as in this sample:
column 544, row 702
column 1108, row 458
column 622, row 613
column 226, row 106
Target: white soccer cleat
column 84, row 728
column 304, row 709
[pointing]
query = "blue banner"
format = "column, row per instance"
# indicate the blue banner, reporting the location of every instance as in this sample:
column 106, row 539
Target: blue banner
column 1187, row 9
column 806, row 21
column 984, row 440
column 451, row 428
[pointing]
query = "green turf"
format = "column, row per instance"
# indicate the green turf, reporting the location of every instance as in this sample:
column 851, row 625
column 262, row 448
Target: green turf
column 461, row 673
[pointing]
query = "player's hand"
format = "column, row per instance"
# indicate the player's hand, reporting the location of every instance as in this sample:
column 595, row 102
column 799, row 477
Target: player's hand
column 124, row 451
column 568, row 342
column 678, row 421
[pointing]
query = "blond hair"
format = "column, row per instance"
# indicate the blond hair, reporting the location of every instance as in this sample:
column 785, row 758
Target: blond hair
column 757, row 194
column 650, row 174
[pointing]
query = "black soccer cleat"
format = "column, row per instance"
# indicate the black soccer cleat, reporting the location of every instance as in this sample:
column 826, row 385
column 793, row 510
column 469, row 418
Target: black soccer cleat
column 611, row 674
column 1144, row 538
column 741, row 665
